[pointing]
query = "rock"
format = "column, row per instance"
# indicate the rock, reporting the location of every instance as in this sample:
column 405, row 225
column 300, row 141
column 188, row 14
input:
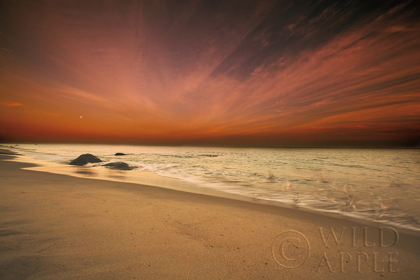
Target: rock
column 85, row 159
column 209, row 155
column 119, row 165
column 7, row 152
column 120, row 154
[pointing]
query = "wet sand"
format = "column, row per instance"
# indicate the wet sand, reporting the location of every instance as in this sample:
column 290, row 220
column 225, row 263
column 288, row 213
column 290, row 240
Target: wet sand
column 61, row 227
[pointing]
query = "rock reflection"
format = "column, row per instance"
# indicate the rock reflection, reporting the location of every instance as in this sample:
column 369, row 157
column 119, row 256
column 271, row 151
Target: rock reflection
column 86, row 171
column 116, row 174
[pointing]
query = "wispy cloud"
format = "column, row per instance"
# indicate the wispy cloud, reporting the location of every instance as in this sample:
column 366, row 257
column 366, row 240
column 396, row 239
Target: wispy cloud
column 160, row 70
column 11, row 104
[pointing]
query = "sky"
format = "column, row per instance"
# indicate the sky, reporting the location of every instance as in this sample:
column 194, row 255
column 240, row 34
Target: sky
column 234, row 73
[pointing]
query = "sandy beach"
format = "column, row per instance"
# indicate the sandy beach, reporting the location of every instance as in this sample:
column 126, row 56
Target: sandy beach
column 62, row 227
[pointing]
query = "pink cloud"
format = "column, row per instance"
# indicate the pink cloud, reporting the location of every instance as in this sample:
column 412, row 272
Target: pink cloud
column 11, row 104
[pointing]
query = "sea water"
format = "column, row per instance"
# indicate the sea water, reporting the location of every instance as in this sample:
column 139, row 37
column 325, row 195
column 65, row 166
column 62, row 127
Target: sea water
column 371, row 184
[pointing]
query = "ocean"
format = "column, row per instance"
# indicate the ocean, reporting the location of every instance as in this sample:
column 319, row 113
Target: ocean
column 380, row 185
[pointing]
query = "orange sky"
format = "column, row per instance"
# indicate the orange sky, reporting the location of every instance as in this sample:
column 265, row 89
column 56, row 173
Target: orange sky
column 231, row 73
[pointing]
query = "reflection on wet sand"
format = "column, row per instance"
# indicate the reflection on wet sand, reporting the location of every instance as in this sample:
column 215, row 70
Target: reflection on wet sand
column 116, row 174
column 93, row 172
column 86, row 171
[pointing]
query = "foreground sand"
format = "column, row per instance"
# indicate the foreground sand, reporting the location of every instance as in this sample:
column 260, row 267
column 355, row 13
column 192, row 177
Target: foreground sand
column 61, row 227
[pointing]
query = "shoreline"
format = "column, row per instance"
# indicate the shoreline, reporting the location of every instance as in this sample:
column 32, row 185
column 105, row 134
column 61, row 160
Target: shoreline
column 187, row 187
column 57, row 226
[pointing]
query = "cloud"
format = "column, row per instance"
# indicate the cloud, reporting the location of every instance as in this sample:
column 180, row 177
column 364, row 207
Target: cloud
column 190, row 69
column 11, row 104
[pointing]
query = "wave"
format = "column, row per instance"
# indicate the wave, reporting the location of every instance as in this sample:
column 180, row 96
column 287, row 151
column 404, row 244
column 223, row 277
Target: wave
column 338, row 181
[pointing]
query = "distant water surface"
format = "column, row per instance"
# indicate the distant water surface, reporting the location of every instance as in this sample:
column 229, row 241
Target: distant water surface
column 370, row 184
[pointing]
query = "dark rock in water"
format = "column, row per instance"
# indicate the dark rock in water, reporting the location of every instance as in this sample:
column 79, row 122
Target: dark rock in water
column 7, row 152
column 120, row 154
column 119, row 165
column 85, row 159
